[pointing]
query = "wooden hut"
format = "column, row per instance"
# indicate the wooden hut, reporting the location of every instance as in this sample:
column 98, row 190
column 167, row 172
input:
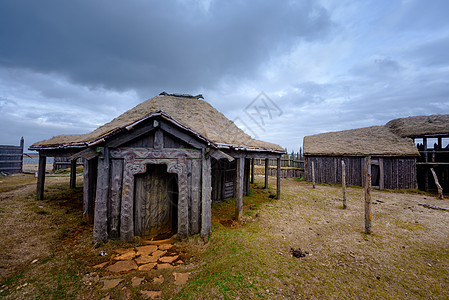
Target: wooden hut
column 431, row 133
column 155, row 169
column 393, row 158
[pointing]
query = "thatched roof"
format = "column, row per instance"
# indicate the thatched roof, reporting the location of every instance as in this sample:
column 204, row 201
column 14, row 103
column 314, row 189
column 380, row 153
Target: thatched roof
column 375, row 141
column 195, row 115
column 420, row 125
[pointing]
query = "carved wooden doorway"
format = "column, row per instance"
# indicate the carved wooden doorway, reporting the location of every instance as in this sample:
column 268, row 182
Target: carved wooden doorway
column 156, row 202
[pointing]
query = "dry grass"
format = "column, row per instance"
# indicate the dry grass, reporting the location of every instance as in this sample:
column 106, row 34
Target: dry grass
column 420, row 125
column 406, row 257
column 375, row 140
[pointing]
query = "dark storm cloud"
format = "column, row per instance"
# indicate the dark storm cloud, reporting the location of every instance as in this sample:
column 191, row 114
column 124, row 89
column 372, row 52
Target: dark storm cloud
column 187, row 45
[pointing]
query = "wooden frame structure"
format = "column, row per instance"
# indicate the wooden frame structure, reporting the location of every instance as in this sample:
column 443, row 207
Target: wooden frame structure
column 113, row 164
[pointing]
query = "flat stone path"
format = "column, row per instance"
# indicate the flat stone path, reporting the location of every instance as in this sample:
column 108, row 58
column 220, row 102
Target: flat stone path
column 140, row 259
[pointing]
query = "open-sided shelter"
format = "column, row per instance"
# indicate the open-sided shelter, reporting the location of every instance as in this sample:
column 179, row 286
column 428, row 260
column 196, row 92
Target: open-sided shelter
column 396, row 161
column 156, row 168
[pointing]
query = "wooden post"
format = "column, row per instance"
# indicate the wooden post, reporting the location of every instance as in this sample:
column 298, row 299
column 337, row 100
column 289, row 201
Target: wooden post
column 101, row 199
column 21, row 157
column 343, row 182
column 426, row 159
column 239, row 189
column 440, row 189
column 41, row 177
column 313, row 174
column 88, row 190
column 206, row 188
column 246, row 176
column 266, row 173
column 252, row 170
column 278, row 179
column 73, row 174
column 367, row 177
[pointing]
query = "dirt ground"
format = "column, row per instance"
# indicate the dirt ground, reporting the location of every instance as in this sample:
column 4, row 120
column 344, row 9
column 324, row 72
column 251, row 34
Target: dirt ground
column 47, row 250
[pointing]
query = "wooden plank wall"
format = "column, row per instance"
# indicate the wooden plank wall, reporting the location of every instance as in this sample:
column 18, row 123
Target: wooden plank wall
column 11, row 158
column 399, row 172
column 328, row 169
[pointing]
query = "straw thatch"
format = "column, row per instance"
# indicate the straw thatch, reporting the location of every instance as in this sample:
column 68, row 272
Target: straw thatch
column 375, row 141
column 197, row 115
column 420, row 125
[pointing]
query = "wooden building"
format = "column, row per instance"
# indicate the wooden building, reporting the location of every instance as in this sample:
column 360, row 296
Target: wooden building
column 401, row 154
column 431, row 134
column 155, row 169
column 393, row 158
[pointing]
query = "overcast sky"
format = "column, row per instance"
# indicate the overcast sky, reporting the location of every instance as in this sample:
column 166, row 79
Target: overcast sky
column 67, row 67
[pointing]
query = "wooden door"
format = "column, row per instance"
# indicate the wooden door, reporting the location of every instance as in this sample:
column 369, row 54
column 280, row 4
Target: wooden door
column 156, row 198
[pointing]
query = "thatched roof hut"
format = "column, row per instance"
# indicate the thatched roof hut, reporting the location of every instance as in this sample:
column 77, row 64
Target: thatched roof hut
column 156, row 169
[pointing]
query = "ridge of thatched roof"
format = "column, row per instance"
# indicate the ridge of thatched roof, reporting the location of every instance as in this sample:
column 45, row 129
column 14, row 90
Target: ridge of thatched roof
column 420, row 125
column 193, row 114
column 375, row 141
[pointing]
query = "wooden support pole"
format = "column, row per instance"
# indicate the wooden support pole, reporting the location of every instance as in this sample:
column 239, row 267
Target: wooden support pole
column 440, row 189
column 252, row 170
column 313, row 174
column 426, row 159
column 367, row 184
column 206, row 201
column 343, row 182
column 73, row 174
column 41, row 177
column 101, row 199
column 266, row 173
column 21, row 157
column 88, row 190
column 278, row 178
column 239, row 190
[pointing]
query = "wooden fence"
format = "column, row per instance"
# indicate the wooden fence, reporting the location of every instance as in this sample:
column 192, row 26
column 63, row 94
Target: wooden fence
column 60, row 163
column 292, row 165
column 292, row 160
column 11, row 158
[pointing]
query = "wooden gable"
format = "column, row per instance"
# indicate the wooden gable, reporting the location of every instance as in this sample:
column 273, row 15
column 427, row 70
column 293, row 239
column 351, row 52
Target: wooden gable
column 156, row 133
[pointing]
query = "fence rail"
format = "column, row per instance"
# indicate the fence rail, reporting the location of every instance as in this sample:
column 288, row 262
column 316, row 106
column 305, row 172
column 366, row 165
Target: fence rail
column 11, row 158
column 292, row 160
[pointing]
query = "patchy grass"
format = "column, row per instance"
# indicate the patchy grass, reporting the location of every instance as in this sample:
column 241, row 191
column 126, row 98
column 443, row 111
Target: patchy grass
column 15, row 181
column 254, row 260
column 49, row 253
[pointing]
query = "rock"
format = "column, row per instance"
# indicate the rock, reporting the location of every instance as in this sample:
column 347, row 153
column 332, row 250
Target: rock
column 181, row 278
column 151, row 294
column 146, row 250
column 136, row 281
column 159, row 280
column 126, row 256
column 165, row 246
column 158, row 253
column 179, row 262
column 111, row 283
column 147, row 267
column 146, row 259
column 123, row 266
column 168, row 259
column 164, row 266
column 99, row 266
